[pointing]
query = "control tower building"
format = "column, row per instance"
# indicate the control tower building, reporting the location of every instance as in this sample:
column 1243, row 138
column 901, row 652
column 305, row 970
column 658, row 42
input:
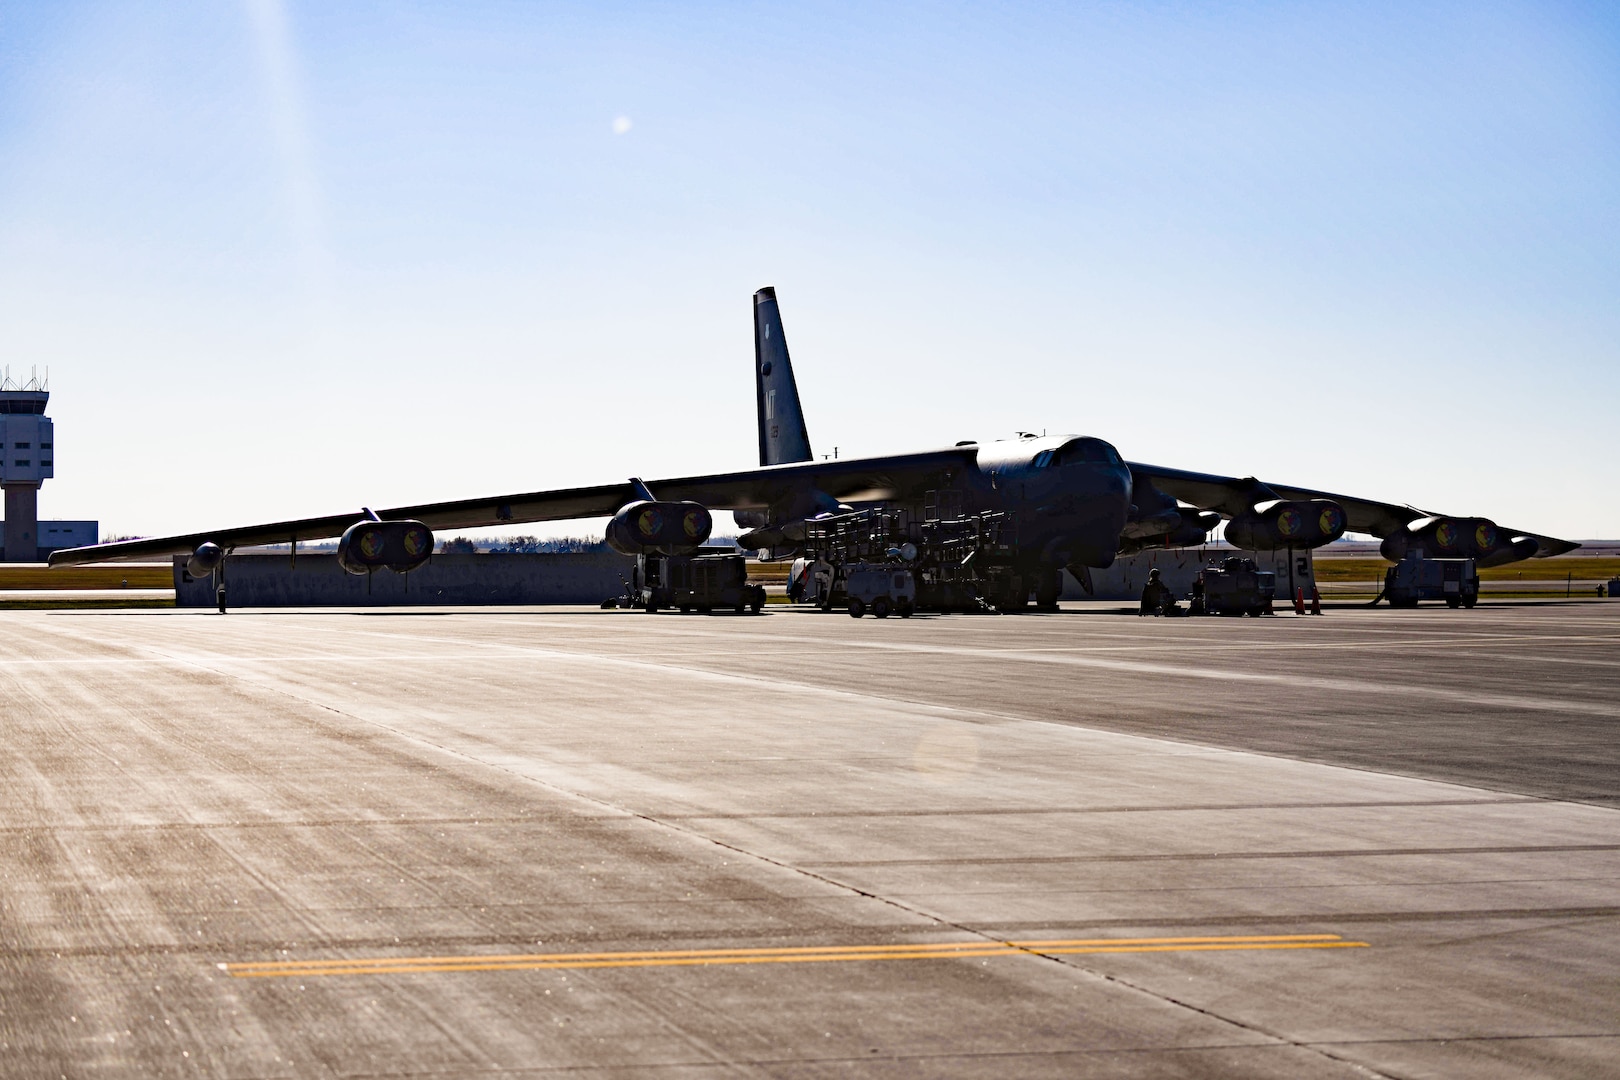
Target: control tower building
column 28, row 446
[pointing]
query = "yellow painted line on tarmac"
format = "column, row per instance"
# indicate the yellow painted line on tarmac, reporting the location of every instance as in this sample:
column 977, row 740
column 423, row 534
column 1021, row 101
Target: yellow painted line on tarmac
column 811, row 954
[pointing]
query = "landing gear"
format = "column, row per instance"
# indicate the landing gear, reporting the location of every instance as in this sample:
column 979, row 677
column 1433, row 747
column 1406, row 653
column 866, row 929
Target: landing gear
column 219, row 585
column 1046, row 592
column 1014, row 595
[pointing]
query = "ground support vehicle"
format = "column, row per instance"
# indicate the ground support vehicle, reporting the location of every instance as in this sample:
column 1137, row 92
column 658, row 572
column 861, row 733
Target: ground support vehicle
column 702, row 583
column 881, row 588
column 1415, row 578
column 1238, row 587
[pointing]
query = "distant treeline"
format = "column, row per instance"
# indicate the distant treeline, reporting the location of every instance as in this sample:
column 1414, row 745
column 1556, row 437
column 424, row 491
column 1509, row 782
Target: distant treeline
column 534, row 545
column 522, row 545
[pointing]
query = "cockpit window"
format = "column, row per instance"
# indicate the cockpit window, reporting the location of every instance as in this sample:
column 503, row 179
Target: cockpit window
column 1044, row 458
column 1093, row 451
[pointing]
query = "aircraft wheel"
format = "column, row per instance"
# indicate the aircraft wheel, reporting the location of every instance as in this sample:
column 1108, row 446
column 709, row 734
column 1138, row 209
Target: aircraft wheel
column 881, row 608
column 219, row 596
column 856, row 609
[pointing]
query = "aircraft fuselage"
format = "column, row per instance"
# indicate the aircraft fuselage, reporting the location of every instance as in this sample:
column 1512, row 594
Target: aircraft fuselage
column 1070, row 494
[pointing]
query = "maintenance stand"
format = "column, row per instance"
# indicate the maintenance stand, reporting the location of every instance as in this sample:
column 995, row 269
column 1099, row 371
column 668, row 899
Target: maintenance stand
column 885, row 561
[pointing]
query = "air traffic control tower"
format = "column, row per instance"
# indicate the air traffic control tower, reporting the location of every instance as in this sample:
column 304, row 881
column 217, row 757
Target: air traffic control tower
column 28, row 446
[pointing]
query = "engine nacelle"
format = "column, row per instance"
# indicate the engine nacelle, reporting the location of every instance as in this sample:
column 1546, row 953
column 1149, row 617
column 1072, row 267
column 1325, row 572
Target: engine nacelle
column 1458, row 538
column 1191, row 531
column 401, row 546
column 670, row 527
column 1303, row 523
column 205, row 560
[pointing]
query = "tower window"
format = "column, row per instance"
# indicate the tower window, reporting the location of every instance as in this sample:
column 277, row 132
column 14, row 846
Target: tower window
column 22, row 461
column 22, row 446
column 47, row 446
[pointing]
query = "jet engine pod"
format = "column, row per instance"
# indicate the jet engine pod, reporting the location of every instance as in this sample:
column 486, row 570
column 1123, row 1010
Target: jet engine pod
column 1303, row 523
column 1458, row 538
column 205, row 559
column 659, row 526
column 401, row 546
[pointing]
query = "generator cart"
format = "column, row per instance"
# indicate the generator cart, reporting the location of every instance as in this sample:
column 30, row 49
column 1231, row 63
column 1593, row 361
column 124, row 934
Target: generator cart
column 699, row 583
column 881, row 589
column 1238, row 587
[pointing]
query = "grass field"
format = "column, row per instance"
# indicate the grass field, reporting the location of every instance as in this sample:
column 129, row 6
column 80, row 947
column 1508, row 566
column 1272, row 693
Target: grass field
column 132, row 576
column 1584, row 568
column 80, row 603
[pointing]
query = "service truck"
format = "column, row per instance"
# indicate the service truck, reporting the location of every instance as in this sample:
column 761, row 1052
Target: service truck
column 1415, row 578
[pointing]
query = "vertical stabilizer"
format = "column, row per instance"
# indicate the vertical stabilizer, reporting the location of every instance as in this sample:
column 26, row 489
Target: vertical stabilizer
column 782, row 435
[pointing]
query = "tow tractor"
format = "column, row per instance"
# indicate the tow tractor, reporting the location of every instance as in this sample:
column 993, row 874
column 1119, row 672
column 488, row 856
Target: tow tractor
column 1414, row 578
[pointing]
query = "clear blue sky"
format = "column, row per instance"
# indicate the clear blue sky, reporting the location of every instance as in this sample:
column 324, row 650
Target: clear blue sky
column 289, row 258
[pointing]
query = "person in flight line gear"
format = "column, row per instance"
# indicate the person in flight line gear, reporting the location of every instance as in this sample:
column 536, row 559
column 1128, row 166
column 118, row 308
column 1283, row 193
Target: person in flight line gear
column 1156, row 596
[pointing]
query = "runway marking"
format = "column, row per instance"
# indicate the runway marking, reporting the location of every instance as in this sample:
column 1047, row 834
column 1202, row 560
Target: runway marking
column 815, row 954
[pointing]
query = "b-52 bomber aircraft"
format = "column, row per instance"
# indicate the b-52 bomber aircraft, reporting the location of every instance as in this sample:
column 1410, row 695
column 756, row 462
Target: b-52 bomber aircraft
column 1076, row 504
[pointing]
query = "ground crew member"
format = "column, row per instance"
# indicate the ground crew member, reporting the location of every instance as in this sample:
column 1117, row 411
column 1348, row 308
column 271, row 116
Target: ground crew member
column 1155, row 595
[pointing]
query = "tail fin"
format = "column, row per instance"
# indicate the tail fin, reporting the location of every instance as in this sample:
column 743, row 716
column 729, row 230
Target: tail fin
column 782, row 436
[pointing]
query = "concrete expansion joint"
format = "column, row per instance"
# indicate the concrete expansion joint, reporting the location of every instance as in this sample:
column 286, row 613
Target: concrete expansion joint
column 1276, row 1039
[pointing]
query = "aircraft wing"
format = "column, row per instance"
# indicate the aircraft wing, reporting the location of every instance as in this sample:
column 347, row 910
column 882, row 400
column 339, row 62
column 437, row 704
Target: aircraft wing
column 752, row 489
column 1231, row 495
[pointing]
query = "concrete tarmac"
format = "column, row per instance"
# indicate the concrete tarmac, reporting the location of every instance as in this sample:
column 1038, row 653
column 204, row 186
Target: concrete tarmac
column 548, row 842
